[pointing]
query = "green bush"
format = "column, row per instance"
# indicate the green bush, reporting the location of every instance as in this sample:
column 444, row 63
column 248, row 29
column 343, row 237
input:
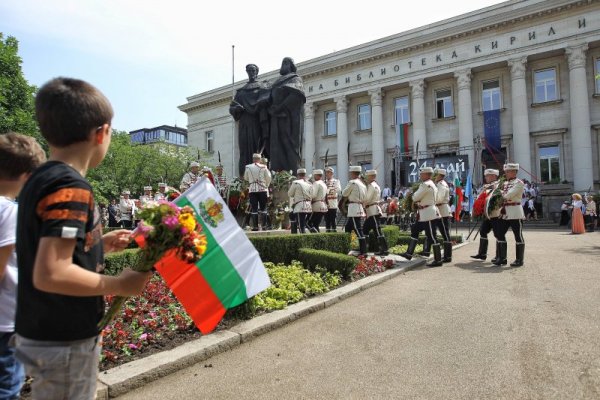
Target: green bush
column 406, row 239
column 285, row 248
column 115, row 262
column 332, row 262
column 392, row 235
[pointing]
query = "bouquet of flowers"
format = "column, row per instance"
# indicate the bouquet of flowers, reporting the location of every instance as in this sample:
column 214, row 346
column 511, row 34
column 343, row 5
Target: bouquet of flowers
column 407, row 204
column 172, row 194
column 164, row 227
column 479, row 204
column 496, row 198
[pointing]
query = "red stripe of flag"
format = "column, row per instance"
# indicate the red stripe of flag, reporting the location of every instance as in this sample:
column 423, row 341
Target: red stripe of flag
column 405, row 137
column 192, row 290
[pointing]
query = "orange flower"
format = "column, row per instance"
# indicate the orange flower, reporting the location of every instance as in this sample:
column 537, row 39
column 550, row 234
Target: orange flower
column 187, row 221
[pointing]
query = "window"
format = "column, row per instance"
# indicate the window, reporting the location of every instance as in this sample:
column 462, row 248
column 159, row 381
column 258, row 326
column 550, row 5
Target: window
column 490, row 95
column 209, row 141
column 330, row 123
column 402, row 111
column 443, row 103
column 364, row 117
column 597, row 76
column 549, row 164
column 545, row 86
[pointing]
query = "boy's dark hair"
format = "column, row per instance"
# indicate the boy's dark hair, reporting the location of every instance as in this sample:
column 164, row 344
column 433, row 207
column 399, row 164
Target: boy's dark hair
column 68, row 110
column 19, row 154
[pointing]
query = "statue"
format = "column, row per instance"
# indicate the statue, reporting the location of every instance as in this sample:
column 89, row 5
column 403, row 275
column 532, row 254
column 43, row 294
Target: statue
column 249, row 109
column 286, row 113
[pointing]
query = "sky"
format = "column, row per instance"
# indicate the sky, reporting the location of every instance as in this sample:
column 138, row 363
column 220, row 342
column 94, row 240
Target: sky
column 148, row 56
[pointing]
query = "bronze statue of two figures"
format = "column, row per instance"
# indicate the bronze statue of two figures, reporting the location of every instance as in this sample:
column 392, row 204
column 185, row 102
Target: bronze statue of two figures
column 270, row 118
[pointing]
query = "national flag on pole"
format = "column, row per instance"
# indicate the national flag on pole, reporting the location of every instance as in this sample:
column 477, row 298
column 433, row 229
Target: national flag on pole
column 230, row 271
column 469, row 191
column 402, row 137
column 458, row 198
column 491, row 129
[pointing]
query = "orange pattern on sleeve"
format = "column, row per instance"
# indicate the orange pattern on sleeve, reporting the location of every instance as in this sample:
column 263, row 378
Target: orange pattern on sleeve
column 64, row 196
column 65, row 214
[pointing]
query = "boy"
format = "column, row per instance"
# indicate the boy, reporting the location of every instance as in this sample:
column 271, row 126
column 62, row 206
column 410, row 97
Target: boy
column 60, row 247
column 19, row 156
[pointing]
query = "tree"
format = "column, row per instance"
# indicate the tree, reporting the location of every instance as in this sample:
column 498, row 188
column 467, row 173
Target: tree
column 17, row 110
column 133, row 166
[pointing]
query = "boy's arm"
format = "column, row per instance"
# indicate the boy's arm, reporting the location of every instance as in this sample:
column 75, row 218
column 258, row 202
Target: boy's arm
column 54, row 272
column 5, row 252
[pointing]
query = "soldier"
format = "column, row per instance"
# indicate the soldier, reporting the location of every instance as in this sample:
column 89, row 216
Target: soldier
column 114, row 214
column 162, row 192
column 511, row 216
column 147, row 196
column 424, row 200
column 189, row 178
column 333, row 191
column 441, row 202
column 373, row 210
column 259, row 178
column 221, row 181
column 490, row 218
column 355, row 192
column 300, row 193
column 319, row 199
column 127, row 207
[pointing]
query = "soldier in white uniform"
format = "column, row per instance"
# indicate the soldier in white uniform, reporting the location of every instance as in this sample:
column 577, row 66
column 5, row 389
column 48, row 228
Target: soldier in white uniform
column 319, row 201
column 189, row 178
column 162, row 192
column 356, row 192
column 373, row 211
column 424, row 200
column 259, row 178
column 147, row 196
column 490, row 219
column 300, row 193
column 441, row 202
column 221, row 181
column 511, row 216
column 127, row 207
column 333, row 191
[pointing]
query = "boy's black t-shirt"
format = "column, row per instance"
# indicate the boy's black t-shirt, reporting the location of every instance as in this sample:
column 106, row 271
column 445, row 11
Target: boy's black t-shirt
column 57, row 201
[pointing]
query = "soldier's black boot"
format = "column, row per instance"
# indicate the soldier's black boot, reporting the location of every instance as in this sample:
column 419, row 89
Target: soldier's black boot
column 294, row 227
column 520, row 254
column 383, row 246
column 437, row 256
column 447, row 252
column 362, row 246
column 497, row 253
column 426, row 252
column 255, row 222
column 411, row 249
column 501, row 260
column 482, row 252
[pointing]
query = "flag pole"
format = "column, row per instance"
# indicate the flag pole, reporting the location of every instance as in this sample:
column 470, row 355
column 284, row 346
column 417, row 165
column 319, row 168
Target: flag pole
column 233, row 171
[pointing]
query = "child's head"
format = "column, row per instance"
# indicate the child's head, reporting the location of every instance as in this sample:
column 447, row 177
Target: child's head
column 19, row 155
column 71, row 111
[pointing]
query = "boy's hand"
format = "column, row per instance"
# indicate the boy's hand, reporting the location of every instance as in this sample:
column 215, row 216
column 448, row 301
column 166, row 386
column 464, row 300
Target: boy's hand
column 131, row 283
column 116, row 240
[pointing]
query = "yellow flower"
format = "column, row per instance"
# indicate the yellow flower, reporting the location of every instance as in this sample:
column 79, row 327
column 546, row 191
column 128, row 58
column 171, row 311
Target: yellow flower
column 200, row 244
column 187, row 221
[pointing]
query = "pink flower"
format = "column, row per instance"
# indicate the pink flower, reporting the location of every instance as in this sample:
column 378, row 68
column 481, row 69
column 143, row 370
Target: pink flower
column 132, row 346
column 143, row 336
column 170, row 221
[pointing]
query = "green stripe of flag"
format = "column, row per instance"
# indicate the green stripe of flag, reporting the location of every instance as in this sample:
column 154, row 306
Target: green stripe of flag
column 216, row 267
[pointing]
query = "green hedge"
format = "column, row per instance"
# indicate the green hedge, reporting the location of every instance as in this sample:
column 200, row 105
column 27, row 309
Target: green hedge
column 285, row 248
column 392, row 234
column 332, row 262
column 115, row 262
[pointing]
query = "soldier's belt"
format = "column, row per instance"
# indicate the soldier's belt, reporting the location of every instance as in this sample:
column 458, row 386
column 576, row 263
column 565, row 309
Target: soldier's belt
column 420, row 207
column 370, row 205
column 512, row 203
column 441, row 204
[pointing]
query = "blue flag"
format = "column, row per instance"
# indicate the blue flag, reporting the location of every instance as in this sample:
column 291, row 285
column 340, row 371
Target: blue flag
column 469, row 190
column 491, row 128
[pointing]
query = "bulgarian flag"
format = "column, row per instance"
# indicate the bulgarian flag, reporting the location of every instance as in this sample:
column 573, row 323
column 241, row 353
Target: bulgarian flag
column 402, row 137
column 230, row 271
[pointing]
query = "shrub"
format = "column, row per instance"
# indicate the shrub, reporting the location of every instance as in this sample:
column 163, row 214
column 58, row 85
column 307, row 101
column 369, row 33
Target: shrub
column 115, row 262
column 285, row 248
column 392, row 235
column 332, row 262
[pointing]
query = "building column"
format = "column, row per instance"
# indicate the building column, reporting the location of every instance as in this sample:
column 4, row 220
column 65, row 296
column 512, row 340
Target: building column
column 418, row 116
column 520, row 116
column 310, row 160
column 377, row 138
column 581, row 136
column 342, row 139
column 465, row 113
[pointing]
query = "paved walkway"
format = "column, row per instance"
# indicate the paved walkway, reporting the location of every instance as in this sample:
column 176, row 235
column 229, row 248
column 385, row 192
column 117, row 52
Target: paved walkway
column 463, row 331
